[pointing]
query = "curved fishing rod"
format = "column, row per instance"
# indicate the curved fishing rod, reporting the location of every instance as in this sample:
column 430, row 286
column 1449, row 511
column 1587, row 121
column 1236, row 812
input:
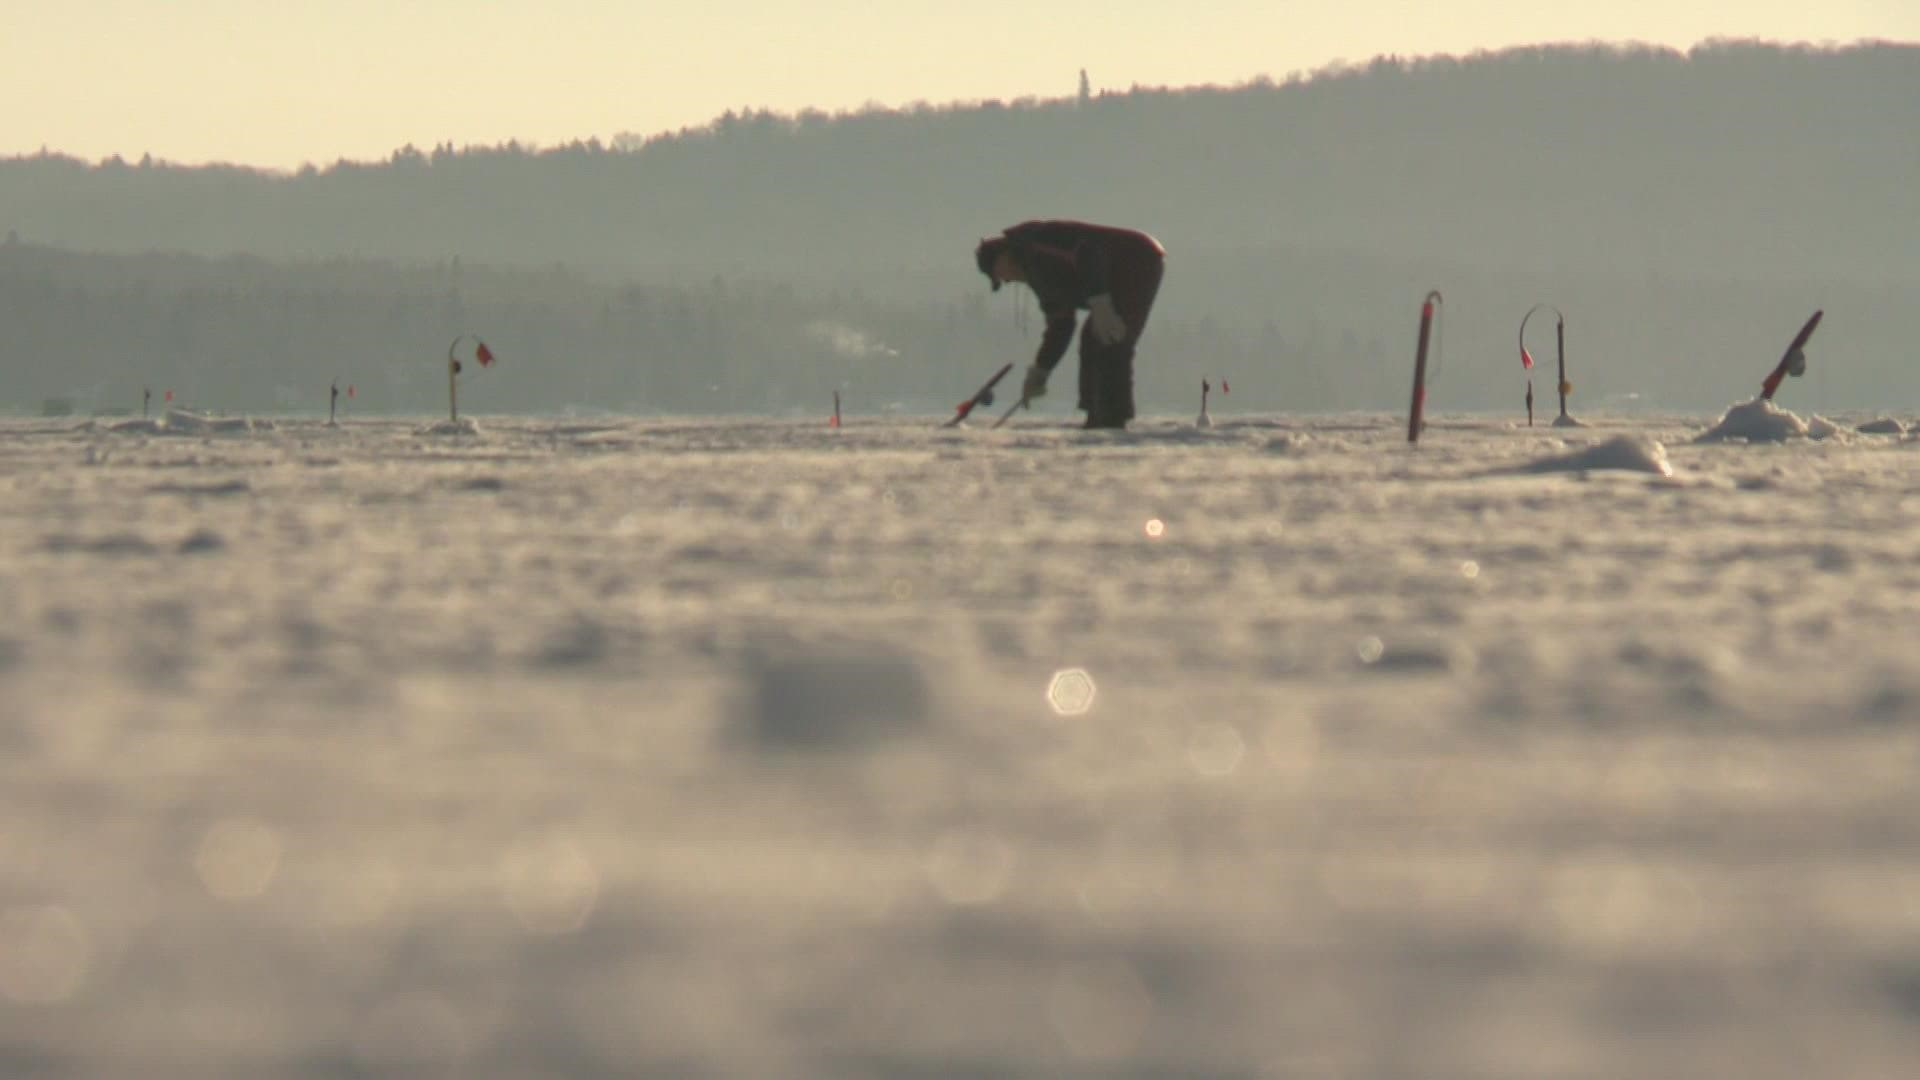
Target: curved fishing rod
column 1794, row 363
column 1428, row 310
column 480, row 352
column 1526, row 358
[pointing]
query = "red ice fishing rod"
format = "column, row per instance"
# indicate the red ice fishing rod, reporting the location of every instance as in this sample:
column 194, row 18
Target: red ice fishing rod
column 982, row 396
column 1427, row 312
column 1794, row 363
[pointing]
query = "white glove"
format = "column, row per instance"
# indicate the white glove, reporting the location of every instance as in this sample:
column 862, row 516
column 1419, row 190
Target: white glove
column 1103, row 322
column 1035, row 384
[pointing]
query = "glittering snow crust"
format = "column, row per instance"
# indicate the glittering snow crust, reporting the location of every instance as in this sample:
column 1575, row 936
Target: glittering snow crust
column 755, row 748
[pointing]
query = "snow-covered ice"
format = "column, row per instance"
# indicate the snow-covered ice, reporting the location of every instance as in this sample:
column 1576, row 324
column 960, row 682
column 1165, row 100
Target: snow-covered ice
column 1629, row 453
column 1765, row 421
column 754, row 748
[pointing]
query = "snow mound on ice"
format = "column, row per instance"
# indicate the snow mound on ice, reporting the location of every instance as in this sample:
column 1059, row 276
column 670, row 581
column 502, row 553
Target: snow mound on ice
column 1822, row 428
column 182, row 422
column 1564, row 421
column 1882, row 426
column 463, row 426
column 1758, row 420
column 1631, row 453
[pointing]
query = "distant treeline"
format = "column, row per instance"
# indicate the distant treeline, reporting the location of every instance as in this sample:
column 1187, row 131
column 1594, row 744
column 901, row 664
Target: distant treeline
column 247, row 334
column 243, row 333
column 1728, row 158
column 1686, row 209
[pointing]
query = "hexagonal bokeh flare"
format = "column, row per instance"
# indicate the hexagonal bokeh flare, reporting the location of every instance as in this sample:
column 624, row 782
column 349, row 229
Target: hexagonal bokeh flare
column 1071, row 692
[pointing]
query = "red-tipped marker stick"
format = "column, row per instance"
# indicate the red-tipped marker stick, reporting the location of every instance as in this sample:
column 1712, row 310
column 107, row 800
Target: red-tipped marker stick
column 1420, row 367
column 1794, row 362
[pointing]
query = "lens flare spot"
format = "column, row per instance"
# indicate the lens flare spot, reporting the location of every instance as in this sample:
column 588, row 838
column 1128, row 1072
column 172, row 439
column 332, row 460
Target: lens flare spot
column 1370, row 649
column 410, row 1032
column 1100, row 1009
column 969, row 868
column 237, row 859
column 1071, row 692
column 359, row 897
column 902, row 589
column 1469, row 569
column 550, row 886
column 1215, row 749
column 44, row 952
column 1155, row 528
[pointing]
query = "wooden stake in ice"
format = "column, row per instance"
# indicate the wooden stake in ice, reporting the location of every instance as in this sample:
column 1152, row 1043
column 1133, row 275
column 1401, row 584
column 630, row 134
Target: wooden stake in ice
column 1204, row 420
column 1414, row 413
column 1794, row 363
column 836, row 410
column 1526, row 358
column 480, row 353
column 146, row 399
column 333, row 401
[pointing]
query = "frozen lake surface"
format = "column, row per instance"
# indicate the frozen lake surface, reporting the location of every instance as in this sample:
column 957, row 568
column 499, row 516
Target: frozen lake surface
column 688, row 748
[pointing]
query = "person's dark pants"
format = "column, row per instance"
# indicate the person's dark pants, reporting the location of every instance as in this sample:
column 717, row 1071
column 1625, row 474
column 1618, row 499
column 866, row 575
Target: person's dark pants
column 1106, row 371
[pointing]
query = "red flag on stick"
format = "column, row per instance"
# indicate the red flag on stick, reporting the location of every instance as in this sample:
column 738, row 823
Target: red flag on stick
column 350, row 391
column 483, row 354
column 1526, row 358
column 169, row 396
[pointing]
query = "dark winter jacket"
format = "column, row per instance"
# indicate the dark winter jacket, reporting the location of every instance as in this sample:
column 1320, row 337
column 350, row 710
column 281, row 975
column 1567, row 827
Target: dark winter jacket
column 1069, row 262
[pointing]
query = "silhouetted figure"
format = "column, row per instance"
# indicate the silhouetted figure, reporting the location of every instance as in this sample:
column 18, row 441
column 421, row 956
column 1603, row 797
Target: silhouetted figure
column 1112, row 273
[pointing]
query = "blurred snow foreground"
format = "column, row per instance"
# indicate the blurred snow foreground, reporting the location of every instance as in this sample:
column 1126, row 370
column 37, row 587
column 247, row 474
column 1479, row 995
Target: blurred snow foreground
column 755, row 748
column 797, row 694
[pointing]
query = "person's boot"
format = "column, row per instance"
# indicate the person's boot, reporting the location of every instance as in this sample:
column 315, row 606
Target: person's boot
column 1112, row 390
column 1105, row 412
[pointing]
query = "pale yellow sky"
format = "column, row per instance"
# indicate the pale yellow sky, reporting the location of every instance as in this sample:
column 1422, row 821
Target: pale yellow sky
column 280, row 83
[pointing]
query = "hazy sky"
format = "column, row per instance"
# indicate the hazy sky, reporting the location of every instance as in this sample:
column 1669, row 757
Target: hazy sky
column 281, row 82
